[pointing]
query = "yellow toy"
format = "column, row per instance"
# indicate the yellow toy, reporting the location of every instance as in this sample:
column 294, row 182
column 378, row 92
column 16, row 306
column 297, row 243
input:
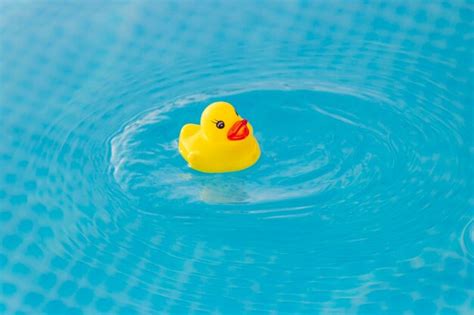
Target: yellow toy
column 224, row 142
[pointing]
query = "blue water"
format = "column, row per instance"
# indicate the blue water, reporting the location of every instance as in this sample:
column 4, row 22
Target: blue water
column 361, row 202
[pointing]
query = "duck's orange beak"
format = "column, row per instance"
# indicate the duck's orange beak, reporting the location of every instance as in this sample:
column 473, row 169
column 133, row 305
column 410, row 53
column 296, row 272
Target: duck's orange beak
column 238, row 131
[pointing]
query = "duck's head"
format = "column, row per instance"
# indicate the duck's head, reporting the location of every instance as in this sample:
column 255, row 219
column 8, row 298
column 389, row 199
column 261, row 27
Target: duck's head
column 221, row 122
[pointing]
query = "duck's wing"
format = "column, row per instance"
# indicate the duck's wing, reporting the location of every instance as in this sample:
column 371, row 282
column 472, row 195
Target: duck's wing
column 193, row 158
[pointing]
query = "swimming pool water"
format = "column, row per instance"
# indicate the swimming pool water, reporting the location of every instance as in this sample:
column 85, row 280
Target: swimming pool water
column 361, row 202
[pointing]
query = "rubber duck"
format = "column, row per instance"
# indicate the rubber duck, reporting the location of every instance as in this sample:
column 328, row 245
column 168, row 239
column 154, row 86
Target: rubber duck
column 223, row 142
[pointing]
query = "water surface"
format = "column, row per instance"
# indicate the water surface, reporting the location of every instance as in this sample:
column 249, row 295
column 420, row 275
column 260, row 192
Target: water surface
column 360, row 203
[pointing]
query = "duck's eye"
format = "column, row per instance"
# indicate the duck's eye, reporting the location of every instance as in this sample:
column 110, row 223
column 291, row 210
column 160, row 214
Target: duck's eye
column 220, row 124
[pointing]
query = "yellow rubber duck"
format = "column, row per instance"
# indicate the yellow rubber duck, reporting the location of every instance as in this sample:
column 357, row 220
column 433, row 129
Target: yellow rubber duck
column 223, row 142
